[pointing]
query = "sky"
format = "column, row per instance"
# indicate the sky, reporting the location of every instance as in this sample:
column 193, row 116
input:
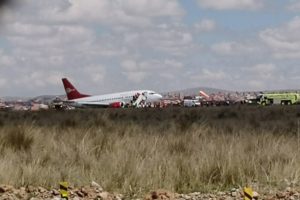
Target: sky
column 106, row 46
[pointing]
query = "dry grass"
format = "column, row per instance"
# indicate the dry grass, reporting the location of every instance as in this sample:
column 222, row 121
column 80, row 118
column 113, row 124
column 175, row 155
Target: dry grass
column 134, row 151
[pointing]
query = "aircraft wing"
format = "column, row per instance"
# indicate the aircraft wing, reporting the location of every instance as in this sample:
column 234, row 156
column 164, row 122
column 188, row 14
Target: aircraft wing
column 88, row 104
column 83, row 104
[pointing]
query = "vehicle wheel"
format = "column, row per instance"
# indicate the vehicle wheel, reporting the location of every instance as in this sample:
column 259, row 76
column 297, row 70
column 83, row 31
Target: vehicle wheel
column 263, row 103
column 289, row 103
column 283, row 103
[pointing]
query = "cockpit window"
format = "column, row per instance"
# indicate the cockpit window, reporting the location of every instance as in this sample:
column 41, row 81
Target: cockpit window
column 151, row 93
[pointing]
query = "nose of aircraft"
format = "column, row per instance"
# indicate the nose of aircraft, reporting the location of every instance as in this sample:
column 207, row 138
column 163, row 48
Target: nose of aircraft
column 154, row 97
column 158, row 96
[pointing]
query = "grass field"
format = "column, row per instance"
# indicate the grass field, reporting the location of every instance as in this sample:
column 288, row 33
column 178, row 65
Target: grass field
column 134, row 151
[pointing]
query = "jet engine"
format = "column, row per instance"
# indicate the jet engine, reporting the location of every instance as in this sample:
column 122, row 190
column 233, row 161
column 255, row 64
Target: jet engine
column 116, row 105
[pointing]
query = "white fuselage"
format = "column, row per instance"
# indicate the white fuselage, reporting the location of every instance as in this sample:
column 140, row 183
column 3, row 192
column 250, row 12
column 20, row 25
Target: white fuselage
column 125, row 97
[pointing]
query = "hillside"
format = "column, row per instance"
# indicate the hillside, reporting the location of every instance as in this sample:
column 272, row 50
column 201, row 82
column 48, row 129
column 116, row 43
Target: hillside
column 195, row 91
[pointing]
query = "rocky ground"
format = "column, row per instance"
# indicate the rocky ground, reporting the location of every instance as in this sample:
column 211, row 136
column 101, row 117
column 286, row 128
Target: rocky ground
column 95, row 192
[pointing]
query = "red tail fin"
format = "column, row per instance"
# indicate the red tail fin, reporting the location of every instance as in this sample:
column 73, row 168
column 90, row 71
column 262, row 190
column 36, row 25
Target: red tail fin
column 71, row 91
column 203, row 94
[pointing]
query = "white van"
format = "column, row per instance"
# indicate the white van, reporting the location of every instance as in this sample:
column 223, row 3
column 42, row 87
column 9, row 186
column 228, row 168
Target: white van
column 191, row 103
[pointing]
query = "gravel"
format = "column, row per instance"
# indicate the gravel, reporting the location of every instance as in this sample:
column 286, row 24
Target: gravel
column 96, row 192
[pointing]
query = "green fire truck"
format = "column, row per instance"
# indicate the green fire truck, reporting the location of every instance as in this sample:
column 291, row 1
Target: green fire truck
column 288, row 98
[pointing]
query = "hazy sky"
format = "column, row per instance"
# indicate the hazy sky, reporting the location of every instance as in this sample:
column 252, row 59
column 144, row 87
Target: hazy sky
column 115, row 45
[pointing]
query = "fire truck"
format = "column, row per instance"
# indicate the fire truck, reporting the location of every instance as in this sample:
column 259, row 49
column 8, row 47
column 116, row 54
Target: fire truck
column 288, row 98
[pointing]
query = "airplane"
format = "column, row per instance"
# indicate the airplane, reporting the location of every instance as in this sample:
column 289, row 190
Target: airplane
column 113, row 100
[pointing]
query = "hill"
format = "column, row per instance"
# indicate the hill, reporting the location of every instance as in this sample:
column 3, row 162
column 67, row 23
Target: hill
column 195, row 91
